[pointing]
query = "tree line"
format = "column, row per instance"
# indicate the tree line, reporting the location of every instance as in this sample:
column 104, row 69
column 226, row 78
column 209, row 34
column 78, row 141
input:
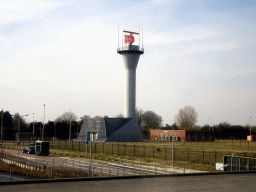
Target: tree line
column 185, row 119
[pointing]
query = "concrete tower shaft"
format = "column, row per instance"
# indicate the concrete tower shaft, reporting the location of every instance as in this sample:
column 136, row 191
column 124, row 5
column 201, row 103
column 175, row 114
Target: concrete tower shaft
column 130, row 55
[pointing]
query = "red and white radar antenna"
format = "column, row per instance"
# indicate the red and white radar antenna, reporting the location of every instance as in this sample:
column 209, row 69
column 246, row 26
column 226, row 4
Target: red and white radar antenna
column 129, row 39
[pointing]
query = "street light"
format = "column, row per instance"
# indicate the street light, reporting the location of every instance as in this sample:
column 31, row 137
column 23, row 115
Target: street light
column 2, row 125
column 210, row 124
column 33, row 128
column 172, row 146
column 70, row 126
column 18, row 142
column 55, row 129
column 43, row 125
column 250, row 127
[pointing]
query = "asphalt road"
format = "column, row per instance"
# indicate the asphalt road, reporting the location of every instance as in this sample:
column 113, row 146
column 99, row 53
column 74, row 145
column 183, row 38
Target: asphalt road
column 99, row 167
column 229, row 182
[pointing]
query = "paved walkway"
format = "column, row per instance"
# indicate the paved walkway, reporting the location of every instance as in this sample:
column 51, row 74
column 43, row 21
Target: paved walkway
column 229, row 182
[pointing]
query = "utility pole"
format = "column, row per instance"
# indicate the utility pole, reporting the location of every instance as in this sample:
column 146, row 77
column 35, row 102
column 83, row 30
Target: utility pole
column 70, row 126
column 250, row 127
column 43, row 125
column 18, row 142
column 172, row 146
column 33, row 128
column 2, row 125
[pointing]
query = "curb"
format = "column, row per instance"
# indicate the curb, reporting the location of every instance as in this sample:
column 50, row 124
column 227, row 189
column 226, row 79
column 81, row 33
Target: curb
column 119, row 178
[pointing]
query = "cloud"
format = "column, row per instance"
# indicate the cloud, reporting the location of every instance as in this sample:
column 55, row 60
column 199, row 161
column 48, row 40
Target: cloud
column 15, row 10
column 180, row 35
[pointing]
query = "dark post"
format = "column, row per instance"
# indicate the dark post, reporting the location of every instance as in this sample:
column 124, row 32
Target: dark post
column 254, row 160
column 112, row 148
column 125, row 149
column 188, row 155
column 164, row 153
column 174, row 154
column 153, row 152
column 79, row 146
column 203, row 157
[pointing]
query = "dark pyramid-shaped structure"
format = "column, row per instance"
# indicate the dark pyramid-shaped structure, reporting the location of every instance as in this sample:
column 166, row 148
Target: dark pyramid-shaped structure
column 110, row 130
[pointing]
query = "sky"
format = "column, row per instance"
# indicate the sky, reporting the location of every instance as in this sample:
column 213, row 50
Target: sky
column 64, row 54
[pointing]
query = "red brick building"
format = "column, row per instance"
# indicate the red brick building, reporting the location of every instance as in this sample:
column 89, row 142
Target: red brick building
column 182, row 135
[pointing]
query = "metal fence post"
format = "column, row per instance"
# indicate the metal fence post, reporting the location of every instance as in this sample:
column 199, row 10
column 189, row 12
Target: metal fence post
column 203, row 156
column 231, row 163
column 188, row 155
column 51, row 172
column 10, row 173
column 112, row 148
column 239, row 164
column 123, row 169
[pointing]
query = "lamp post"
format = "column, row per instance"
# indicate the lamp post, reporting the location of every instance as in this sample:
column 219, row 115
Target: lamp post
column 70, row 126
column 33, row 128
column 172, row 146
column 2, row 125
column 18, row 142
column 210, row 124
column 43, row 125
column 55, row 130
column 250, row 127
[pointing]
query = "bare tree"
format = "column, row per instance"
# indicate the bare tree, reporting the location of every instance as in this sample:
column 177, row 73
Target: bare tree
column 151, row 120
column 139, row 117
column 187, row 117
column 120, row 116
column 66, row 118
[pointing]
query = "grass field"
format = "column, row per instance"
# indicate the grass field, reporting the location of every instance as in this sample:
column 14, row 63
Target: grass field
column 196, row 155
